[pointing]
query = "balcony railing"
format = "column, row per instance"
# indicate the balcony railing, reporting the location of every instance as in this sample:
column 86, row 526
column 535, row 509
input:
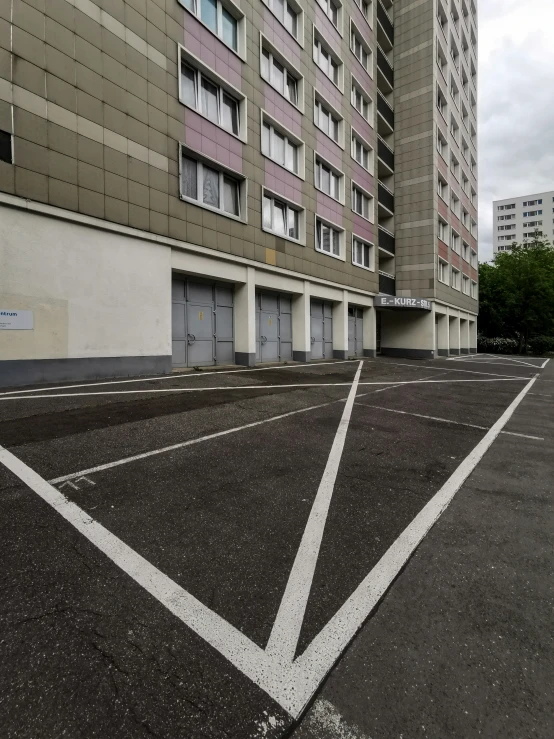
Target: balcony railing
column 385, row 197
column 385, row 21
column 387, row 284
column 387, row 240
column 385, row 66
column 385, row 110
column 385, row 154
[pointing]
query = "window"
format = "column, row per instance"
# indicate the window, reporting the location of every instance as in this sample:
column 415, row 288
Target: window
column 454, row 129
column 204, row 184
column 287, row 15
column 529, row 224
column 441, row 60
column 280, row 77
column 332, row 10
column 531, row 213
column 455, row 167
column 360, row 49
column 441, row 102
column 6, row 147
column 473, row 228
column 361, row 102
column 442, row 273
column 443, row 230
column 281, row 218
column 455, row 205
column 465, row 251
column 365, row 7
column 280, row 147
column 442, row 146
column 465, row 218
column 328, row 238
column 454, row 92
column 328, row 179
column 465, row 150
column 465, row 183
column 455, row 243
column 362, row 152
column 474, row 263
column 532, row 202
column 465, row 285
column 362, row 253
column 455, row 279
column 474, row 292
column 441, row 18
column 210, row 99
column 223, row 19
column 511, row 206
column 361, row 202
column 326, row 60
column 442, row 187
column 326, row 120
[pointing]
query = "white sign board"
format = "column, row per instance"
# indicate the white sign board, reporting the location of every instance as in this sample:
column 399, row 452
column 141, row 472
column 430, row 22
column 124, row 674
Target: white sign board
column 16, row 319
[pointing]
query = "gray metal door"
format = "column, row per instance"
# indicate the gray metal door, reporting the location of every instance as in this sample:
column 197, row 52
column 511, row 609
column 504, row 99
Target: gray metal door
column 355, row 331
column 273, row 327
column 202, row 324
column 321, row 329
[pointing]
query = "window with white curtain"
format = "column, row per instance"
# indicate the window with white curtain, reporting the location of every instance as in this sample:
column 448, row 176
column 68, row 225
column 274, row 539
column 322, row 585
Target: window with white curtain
column 221, row 18
column 360, row 49
column 279, row 147
column 326, row 60
column 280, row 217
column 362, row 253
column 209, row 99
column 362, row 153
column 210, row 187
column 327, row 238
column 327, row 179
column 332, row 10
column 361, row 101
column 279, row 76
column 327, row 121
column 361, row 203
column 286, row 14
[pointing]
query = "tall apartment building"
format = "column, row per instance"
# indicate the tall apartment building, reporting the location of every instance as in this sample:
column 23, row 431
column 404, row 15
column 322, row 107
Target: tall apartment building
column 516, row 220
column 197, row 182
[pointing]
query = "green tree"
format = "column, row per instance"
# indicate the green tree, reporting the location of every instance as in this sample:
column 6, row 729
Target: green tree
column 517, row 293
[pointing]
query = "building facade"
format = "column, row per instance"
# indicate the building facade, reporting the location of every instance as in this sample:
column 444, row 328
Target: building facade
column 516, row 220
column 196, row 182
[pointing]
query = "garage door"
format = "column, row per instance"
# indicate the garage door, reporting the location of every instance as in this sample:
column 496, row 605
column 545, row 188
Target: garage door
column 202, row 323
column 273, row 327
column 322, row 329
column 355, row 331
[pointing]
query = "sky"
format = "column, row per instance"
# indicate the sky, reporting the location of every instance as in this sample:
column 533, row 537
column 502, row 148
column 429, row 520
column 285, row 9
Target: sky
column 516, row 104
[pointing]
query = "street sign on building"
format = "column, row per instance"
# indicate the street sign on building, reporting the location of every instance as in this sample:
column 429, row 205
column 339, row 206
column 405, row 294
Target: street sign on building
column 388, row 301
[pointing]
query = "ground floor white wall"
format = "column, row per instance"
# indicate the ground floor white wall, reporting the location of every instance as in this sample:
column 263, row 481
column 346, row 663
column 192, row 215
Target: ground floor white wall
column 100, row 295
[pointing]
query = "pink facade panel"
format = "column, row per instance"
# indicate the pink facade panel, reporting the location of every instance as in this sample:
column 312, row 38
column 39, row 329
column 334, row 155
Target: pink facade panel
column 443, row 209
column 282, row 182
column 443, row 250
column 278, row 35
column 283, row 111
column 210, row 140
column 329, row 208
column 213, row 52
column 329, row 150
column 326, row 88
column 363, row 228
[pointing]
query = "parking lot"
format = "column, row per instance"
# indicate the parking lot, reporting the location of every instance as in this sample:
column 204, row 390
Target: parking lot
column 192, row 555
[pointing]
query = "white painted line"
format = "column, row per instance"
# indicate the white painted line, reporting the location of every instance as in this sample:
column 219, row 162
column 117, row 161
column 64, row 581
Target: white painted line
column 230, row 642
column 543, row 365
column 190, row 442
column 442, row 369
column 520, row 361
column 286, row 629
column 246, row 387
column 311, row 667
column 541, row 395
column 183, row 376
column 503, row 364
column 446, row 420
column 462, row 356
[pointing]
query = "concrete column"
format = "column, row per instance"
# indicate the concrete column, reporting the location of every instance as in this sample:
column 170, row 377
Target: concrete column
column 340, row 327
column 454, row 333
column 245, row 320
column 370, row 332
column 301, row 326
column 443, row 336
column 473, row 337
column 464, row 336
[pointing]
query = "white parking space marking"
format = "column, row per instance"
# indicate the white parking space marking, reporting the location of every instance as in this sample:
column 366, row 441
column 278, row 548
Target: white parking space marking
column 177, row 376
column 246, row 387
column 457, row 369
column 446, row 420
column 291, row 683
column 543, row 365
column 541, row 395
column 286, row 629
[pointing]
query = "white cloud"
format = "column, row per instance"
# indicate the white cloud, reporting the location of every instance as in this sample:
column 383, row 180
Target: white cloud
column 516, row 104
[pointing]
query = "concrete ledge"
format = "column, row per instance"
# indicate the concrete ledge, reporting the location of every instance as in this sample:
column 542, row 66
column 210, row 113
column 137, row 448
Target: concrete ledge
column 443, row 352
column 455, row 352
column 18, row 372
column 408, row 353
column 301, row 356
column 245, row 359
column 340, row 353
column 370, row 353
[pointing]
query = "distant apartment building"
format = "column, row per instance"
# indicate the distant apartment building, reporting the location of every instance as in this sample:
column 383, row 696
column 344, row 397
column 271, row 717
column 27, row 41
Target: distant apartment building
column 205, row 182
column 516, row 220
